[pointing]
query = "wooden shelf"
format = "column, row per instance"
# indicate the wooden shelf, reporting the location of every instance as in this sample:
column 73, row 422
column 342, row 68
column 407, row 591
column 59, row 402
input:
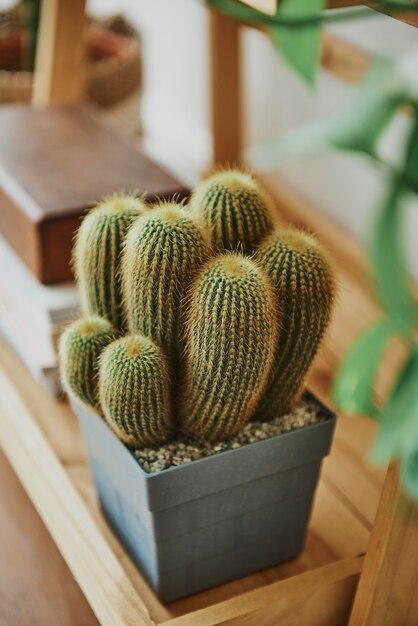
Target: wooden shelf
column 41, row 439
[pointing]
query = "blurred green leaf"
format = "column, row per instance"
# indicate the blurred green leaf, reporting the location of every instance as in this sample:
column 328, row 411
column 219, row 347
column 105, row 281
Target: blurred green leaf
column 398, row 432
column 361, row 123
column 411, row 159
column 300, row 47
column 354, row 384
column 301, row 143
column 409, row 466
column 387, row 255
column 357, row 126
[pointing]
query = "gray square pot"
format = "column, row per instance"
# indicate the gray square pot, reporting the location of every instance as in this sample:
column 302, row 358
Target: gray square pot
column 215, row 519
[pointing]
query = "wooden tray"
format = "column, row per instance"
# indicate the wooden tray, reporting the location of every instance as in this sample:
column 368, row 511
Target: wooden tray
column 41, row 438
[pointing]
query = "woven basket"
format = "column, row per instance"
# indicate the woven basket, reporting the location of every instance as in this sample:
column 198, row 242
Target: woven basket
column 113, row 72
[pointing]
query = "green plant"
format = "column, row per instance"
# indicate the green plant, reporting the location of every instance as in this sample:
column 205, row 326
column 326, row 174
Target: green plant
column 296, row 26
column 134, row 391
column 80, row 347
column 207, row 334
column 305, row 289
column 390, row 85
column 232, row 324
column 235, row 209
column 163, row 251
column 97, row 255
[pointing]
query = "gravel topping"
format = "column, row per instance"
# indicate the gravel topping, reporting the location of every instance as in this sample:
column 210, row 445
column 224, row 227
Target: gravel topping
column 185, row 450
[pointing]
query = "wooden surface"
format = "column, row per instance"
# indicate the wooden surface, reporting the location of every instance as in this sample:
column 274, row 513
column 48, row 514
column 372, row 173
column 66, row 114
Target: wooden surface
column 387, row 594
column 36, row 586
column 45, row 187
column 59, row 75
column 344, row 59
column 38, row 433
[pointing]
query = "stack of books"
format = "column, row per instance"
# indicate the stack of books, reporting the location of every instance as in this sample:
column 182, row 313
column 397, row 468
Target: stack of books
column 32, row 316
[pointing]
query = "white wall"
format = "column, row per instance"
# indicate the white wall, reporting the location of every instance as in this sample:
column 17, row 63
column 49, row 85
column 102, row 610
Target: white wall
column 175, row 108
column 176, row 101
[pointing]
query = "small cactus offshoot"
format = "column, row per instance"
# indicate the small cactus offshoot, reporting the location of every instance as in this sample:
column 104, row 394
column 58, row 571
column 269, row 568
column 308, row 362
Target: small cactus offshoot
column 97, row 255
column 305, row 289
column 80, row 347
column 237, row 212
column 232, row 324
column 134, row 391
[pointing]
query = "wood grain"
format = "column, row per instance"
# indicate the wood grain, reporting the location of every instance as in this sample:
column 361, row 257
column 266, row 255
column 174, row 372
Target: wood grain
column 59, row 75
column 225, row 55
column 36, row 586
column 344, row 59
column 92, row 562
column 387, row 590
column 250, row 608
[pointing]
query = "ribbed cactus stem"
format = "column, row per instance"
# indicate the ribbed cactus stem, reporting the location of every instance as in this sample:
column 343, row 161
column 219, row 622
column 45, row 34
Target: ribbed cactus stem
column 236, row 210
column 134, row 391
column 305, row 289
column 163, row 251
column 80, row 347
column 97, row 255
column 232, row 323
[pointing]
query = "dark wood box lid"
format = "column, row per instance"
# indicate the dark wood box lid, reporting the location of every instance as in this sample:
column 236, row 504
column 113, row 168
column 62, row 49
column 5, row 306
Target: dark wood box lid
column 54, row 163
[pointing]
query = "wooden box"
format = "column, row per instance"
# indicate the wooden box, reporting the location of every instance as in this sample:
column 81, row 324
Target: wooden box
column 54, row 163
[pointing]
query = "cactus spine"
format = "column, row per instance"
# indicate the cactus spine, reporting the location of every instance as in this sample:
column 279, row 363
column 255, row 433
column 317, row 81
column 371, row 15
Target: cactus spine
column 305, row 288
column 97, row 255
column 231, row 334
column 236, row 211
column 163, row 251
column 134, row 391
column 80, row 347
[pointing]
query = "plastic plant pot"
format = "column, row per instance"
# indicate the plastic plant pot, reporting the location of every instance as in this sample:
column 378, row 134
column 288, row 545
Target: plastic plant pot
column 214, row 519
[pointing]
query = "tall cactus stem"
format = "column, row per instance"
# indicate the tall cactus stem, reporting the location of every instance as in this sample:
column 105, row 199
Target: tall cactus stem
column 305, row 287
column 97, row 255
column 231, row 334
column 163, row 252
column 235, row 209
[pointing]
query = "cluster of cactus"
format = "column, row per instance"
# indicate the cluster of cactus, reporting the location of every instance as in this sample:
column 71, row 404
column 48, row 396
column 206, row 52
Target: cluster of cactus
column 199, row 317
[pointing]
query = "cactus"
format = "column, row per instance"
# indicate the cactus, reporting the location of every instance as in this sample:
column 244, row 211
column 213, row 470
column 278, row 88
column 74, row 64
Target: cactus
column 305, row 288
column 80, row 347
column 97, row 255
column 235, row 209
column 232, row 324
column 163, row 251
column 134, row 391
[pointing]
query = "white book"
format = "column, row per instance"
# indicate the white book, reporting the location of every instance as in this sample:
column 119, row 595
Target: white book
column 34, row 348
column 51, row 305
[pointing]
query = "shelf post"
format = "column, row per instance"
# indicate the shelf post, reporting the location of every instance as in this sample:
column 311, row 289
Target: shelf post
column 387, row 593
column 226, row 111
column 60, row 52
